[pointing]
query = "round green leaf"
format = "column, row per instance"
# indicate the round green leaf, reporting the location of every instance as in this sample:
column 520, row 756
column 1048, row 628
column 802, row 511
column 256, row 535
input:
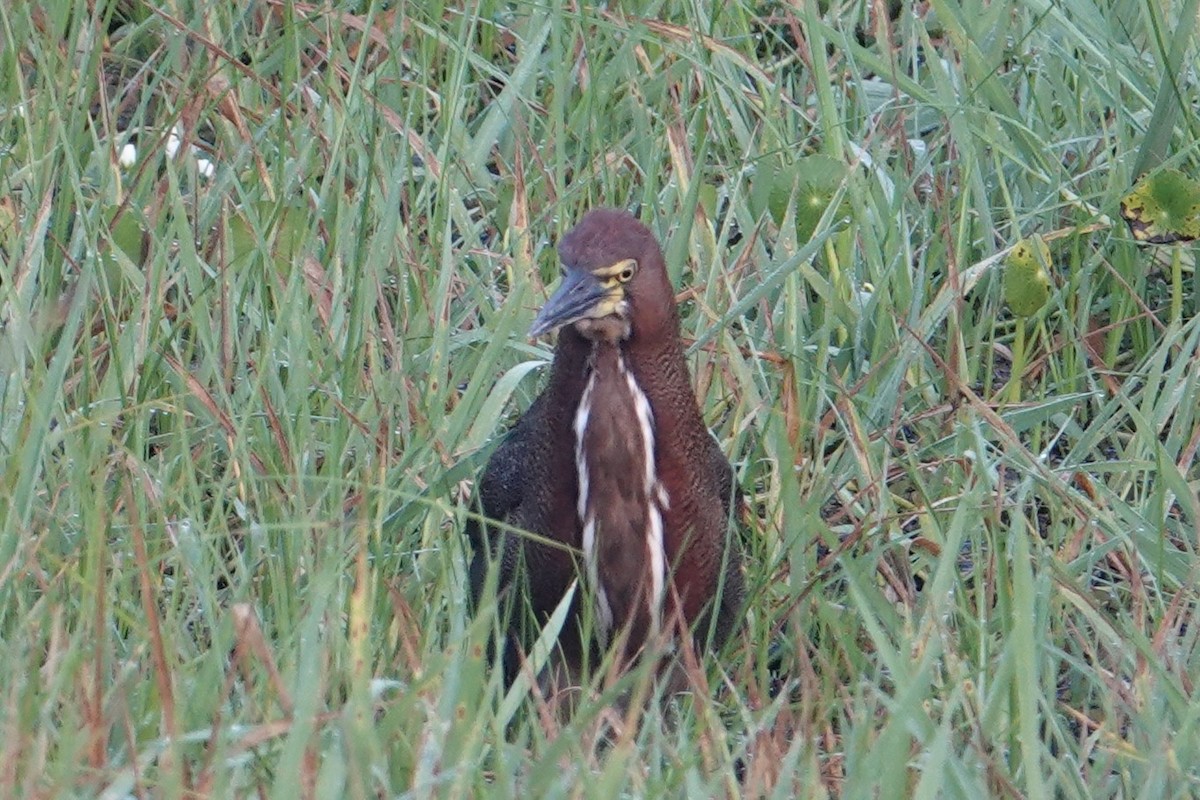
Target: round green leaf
column 820, row 178
column 808, row 185
column 1163, row 208
column 284, row 233
column 127, row 238
column 1026, row 276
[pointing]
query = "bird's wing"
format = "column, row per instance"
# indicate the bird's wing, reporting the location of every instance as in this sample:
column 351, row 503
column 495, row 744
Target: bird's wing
column 498, row 491
column 730, row 493
column 501, row 488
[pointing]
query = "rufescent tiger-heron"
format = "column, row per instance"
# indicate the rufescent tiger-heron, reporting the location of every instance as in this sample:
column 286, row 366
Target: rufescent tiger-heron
column 612, row 460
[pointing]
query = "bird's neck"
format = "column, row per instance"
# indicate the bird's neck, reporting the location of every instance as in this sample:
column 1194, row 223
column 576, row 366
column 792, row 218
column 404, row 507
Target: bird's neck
column 656, row 361
column 621, row 500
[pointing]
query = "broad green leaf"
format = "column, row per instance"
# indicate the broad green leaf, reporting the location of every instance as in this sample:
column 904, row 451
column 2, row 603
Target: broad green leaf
column 1026, row 276
column 1163, row 208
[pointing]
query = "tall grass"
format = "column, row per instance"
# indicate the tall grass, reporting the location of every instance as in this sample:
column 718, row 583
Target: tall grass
column 248, row 377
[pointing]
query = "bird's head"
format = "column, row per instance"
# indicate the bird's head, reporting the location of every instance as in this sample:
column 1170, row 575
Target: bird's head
column 614, row 280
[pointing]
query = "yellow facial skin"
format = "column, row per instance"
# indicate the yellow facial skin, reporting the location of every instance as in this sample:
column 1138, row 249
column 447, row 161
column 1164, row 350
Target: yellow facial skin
column 594, row 302
column 613, row 279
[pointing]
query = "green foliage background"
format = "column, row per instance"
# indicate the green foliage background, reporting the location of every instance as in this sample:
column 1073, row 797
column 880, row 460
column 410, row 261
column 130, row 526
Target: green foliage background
column 247, row 378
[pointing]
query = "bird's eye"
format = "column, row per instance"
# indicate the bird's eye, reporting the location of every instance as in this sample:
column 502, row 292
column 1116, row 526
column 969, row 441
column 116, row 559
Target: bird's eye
column 626, row 274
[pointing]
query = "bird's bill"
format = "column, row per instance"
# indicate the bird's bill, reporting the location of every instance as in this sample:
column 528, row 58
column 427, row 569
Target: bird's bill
column 581, row 295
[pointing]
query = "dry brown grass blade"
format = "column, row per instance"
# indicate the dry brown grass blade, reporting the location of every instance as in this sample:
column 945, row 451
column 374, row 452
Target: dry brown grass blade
column 163, row 676
column 397, row 124
column 406, row 629
column 223, row 94
column 789, row 399
column 252, row 648
column 259, row 735
column 678, row 145
column 285, row 451
column 519, row 235
column 93, row 694
column 210, row 404
column 23, row 258
column 686, row 35
column 316, row 280
column 224, row 55
column 1008, row 436
column 558, row 706
column 348, row 20
column 1093, row 344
